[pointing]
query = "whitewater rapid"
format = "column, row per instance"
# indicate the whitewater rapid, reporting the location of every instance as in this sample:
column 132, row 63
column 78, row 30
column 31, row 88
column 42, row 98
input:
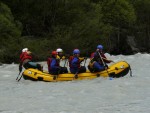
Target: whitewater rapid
column 100, row 95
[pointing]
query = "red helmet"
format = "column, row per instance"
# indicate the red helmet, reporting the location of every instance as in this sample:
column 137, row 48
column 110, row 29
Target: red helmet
column 54, row 53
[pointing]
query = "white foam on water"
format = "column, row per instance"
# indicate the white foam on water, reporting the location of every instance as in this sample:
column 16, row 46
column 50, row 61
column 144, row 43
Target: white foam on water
column 100, row 95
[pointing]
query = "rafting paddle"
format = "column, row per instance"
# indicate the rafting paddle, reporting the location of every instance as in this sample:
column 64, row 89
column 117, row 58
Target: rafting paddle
column 65, row 62
column 20, row 78
column 85, row 58
column 20, row 70
column 103, row 62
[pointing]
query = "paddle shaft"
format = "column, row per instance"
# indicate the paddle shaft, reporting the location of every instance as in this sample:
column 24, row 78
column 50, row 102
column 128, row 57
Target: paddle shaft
column 18, row 76
column 65, row 62
column 103, row 62
column 85, row 62
column 20, row 70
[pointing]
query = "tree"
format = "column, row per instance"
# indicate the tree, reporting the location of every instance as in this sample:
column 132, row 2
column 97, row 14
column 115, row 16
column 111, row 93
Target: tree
column 10, row 30
column 117, row 15
column 142, row 26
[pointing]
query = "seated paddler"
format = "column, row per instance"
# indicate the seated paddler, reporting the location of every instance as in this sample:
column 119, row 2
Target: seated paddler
column 98, row 60
column 75, row 63
column 53, row 65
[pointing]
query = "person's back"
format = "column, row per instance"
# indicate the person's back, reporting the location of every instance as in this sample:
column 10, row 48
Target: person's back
column 26, row 60
column 26, row 57
column 53, row 64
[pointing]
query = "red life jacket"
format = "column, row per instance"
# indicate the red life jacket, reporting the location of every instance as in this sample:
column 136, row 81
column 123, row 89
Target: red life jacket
column 21, row 56
column 92, row 55
column 70, row 60
column 25, row 56
column 49, row 60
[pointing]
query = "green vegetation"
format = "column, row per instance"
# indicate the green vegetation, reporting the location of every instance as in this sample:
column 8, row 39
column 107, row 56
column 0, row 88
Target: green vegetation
column 43, row 26
column 10, row 31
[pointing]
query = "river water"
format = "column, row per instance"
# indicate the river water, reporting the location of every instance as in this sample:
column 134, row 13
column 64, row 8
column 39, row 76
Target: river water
column 100, row 95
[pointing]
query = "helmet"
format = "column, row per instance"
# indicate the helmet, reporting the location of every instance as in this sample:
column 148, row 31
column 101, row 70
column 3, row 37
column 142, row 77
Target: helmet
column 99, row 47
column 76, row 51
column 59, row 50
column 54, row 53
column 25, row 50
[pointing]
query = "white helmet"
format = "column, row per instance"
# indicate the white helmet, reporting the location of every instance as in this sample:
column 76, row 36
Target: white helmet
column 25, row 50
column 59, row 50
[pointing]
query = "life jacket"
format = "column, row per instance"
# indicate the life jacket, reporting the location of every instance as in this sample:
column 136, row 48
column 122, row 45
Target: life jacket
column 92, row 55
column 49, row 61
column 70, row 62
column 91, row 60
column 60, row 57
column 103, row 56
column 91, row 63
column 95, row 58
column 98, row 59
column 25, row 56
column 21, row 56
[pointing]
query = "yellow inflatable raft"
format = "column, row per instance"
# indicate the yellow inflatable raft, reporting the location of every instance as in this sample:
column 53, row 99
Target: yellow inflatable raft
column 115, row 70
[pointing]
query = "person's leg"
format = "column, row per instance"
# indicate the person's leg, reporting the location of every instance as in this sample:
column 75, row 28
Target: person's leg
column 55, row 70
column 98, row 67
column 82, row 69
column 64, row 70
column 90, row 69
column 35, row 66
column 39, row 67
column 72, row 70
column 28, row 65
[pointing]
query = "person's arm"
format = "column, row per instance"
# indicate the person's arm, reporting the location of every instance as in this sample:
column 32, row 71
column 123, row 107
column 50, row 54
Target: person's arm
column 105, row 59
column 63, row 58
column 96, row 56
column 81, row 59
column 29, row 52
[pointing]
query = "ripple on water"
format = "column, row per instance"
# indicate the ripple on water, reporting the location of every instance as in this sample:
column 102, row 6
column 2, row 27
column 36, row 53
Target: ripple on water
column 6, row 76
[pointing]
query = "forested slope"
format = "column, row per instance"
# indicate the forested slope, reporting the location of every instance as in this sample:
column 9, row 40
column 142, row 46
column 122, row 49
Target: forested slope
column 45, row 25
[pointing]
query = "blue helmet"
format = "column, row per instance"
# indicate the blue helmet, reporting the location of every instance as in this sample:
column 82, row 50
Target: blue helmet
column 100, row 47
column 76, row 51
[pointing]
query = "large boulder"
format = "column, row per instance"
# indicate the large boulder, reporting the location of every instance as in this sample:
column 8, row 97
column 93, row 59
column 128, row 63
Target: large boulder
column 132, row 43
column 1, row 64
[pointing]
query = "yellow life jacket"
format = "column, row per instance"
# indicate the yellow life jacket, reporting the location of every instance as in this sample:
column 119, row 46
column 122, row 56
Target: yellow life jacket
column 91, row 63
column 58, row 57
column 81, row 59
